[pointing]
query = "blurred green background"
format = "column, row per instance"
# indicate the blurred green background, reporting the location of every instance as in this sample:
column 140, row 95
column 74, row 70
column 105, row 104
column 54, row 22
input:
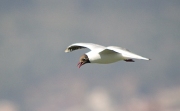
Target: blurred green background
column 36, row 74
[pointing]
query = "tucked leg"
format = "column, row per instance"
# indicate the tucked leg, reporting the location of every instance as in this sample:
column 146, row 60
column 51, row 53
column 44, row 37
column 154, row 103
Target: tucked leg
column 129, row 60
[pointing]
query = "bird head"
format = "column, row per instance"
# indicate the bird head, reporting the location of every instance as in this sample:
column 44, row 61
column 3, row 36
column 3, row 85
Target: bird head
column 83, row 60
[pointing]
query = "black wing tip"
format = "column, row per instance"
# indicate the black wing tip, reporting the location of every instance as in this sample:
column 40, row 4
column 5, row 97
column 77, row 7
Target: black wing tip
column 72, row 48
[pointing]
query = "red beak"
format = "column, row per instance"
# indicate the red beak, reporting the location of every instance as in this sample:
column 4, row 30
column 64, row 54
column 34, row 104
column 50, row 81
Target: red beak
column 80, row 64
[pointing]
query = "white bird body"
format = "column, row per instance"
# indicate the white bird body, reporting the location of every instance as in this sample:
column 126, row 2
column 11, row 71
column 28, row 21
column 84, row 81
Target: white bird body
column 104, row 55
column 103, row 58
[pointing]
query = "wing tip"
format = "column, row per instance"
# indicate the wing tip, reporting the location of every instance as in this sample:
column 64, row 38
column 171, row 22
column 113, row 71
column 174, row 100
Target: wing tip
column 147, row 59
column 67, row 50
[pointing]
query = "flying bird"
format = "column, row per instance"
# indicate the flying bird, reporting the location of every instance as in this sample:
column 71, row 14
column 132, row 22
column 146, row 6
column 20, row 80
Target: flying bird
column 103, row 55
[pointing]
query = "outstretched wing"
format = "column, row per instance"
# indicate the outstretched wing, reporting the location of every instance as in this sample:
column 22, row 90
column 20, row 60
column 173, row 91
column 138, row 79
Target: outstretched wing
column 125, row 53
column 77, row 46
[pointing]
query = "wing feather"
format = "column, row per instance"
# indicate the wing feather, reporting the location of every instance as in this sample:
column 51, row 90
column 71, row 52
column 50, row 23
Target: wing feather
column 126, row 53
column 77, row 46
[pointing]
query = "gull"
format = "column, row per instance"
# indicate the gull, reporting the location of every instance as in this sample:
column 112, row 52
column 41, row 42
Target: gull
column 103, row 55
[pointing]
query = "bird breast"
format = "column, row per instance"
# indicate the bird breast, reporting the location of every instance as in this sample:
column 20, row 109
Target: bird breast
column 104, row 58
